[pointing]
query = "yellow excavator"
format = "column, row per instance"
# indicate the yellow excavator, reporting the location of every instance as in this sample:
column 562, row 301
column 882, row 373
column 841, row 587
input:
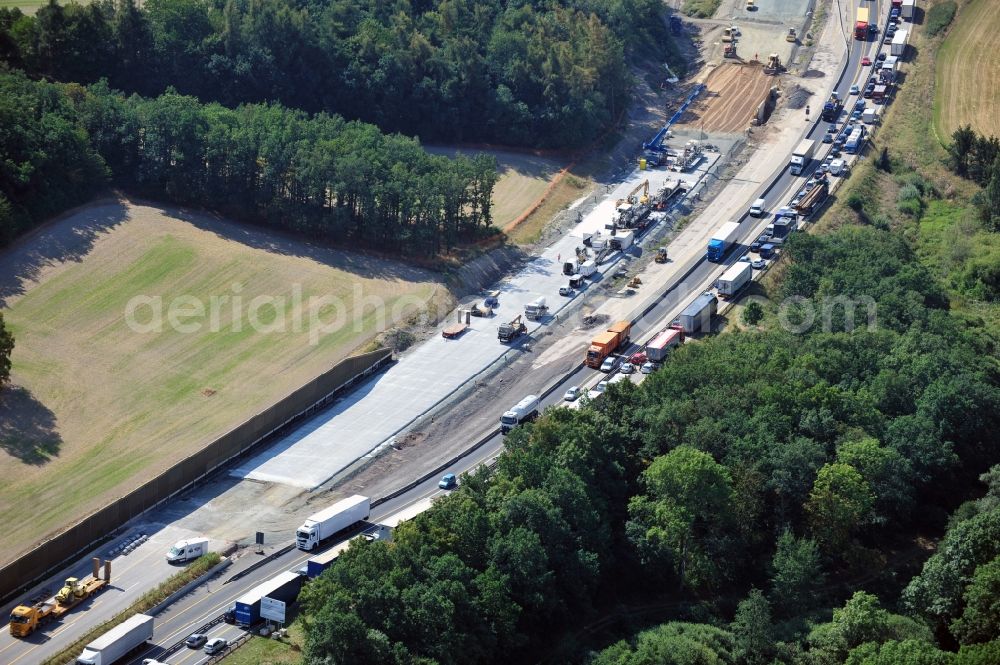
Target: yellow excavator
column 631, row 198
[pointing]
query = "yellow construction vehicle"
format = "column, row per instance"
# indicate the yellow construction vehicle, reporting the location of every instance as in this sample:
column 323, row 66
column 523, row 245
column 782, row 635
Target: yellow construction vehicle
column 790, row 37
column 634, row 283
column 631, row 197
column 25, row 619
column 661, row 255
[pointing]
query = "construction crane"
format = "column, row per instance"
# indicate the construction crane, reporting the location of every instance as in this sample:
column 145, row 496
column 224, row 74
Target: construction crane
column 654, row 150
column 631, row 197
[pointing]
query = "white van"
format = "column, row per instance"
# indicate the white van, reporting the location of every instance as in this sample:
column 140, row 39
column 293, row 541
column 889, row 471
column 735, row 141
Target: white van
column 186, row 550
column 757, row 209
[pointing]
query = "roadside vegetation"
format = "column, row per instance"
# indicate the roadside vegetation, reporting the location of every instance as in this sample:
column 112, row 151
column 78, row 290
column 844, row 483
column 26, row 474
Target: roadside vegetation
column 6, row 348
column 149, row 600
column 701, row 8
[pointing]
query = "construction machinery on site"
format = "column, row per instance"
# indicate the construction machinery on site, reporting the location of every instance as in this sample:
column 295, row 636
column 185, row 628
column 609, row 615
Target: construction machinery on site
column 773, row 65
column 510, row 331
column 661, row 255
column 634, row 283
column 25, row 619
column 791, row 37
column 730, row 50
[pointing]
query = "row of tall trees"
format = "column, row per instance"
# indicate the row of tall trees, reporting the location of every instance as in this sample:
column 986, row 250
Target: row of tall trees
column 321, row 176
column 539, row 72
column 788, row 461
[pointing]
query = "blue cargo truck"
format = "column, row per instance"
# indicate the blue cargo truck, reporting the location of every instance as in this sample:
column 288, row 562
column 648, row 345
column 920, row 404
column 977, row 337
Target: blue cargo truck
column 284, row 587
column 723, row 239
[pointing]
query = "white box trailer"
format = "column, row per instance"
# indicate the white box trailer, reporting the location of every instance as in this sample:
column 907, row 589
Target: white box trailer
column 907, row 9
column 332, row 520
column 118, row 642
column 898, row 45
column 734, row 279
column 697, row 317
column 588, row 268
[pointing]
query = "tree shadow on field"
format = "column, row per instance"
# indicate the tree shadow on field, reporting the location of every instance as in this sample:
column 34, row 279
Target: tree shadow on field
column 69, row 237
column 27, row 427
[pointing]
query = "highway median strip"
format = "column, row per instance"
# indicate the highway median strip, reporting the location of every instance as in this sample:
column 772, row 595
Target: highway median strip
column 149, row 600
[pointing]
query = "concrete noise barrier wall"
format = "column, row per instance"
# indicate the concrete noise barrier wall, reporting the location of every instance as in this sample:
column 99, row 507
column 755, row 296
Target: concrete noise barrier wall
column 98, row 526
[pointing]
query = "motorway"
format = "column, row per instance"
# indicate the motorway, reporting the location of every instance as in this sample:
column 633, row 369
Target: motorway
column 208, row 601
column 202, row 606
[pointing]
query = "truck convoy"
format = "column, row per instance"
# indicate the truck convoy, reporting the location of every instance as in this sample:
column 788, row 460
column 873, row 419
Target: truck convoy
column 658, row 348
column 832, row 108
column 606, row 343
column 187, row 550
column 509, row 331
column 536, row 309
column 118, row 642
column 341, row 515
column 861, row 25
column 25, row 619
column 734, row 279
column 698, row 315
column 524, row 410
column 722, row 241
column 284, row 587
column 800, row 158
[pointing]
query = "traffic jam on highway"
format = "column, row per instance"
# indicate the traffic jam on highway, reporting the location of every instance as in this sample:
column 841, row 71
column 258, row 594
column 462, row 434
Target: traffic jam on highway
column 611, row 355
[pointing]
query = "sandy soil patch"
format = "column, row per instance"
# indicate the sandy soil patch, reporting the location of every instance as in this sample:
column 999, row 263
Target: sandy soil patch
column 730, row 100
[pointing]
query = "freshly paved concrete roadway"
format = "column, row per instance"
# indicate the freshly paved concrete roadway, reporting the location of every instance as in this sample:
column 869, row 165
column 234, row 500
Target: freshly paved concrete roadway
column 374, row 412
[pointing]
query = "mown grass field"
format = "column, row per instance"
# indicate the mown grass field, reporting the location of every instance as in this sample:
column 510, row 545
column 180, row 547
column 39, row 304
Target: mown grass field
column 26, row 6
column 968, row 72
column 98, row 405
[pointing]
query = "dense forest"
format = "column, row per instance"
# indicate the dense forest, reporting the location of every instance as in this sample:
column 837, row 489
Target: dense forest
column 320, row 176
column 760, row 471
column 530, row 72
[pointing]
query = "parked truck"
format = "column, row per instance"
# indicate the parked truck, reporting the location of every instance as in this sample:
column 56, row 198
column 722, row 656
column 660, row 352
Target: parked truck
column 658, row 348
column 284, row 587
column 187, row 550
column 698, row 315
column 723, row 239
column 118, row 642
column 861, row 24
column 800, row 158
column 588, row 268
column 832, row 108
column 26, row 619
column 509, row 331
column 735, row 278
column 856, row 141
column 523, row 411
column 332, row 520
column 536, row 309
column 317, row 564
column 623, row 240
column 907, row 9
column 814, row 198
column 606, row 343
column 898, row 45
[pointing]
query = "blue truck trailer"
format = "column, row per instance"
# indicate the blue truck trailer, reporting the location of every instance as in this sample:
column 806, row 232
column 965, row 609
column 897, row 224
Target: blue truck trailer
column 284, row 587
